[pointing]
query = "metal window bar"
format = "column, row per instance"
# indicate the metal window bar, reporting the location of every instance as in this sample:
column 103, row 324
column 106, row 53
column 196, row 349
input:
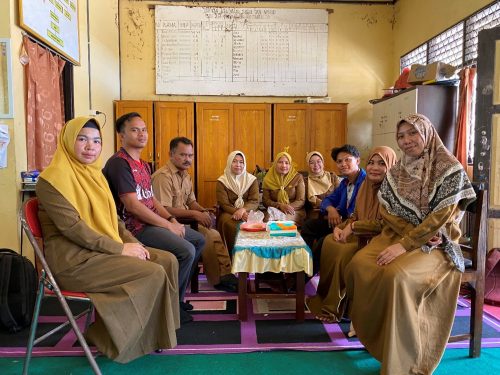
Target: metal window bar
column 447, row 46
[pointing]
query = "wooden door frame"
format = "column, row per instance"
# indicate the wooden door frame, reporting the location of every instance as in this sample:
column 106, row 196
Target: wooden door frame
column 485, row 109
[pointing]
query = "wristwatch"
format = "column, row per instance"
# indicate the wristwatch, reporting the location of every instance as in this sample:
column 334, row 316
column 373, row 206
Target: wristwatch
column 171, row 217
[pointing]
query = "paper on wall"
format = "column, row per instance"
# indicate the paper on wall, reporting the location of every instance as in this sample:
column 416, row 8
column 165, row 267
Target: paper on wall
column 4, row 142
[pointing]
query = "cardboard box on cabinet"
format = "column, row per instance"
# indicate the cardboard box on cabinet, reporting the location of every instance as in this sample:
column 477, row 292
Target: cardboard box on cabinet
column 437, row 71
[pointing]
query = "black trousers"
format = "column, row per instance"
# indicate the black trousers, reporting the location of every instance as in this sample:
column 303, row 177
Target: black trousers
column 313, row 232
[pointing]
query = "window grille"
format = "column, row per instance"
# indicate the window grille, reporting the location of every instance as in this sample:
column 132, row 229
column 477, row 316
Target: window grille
column 484, row 19
column 417, row 56
column 448, row 46
column 454, row 46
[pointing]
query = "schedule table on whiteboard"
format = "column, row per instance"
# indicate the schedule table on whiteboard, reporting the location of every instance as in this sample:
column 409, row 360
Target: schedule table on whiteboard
column 241, row 51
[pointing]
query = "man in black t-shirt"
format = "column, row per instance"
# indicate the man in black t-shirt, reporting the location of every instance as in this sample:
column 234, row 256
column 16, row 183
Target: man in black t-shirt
column 129, row 179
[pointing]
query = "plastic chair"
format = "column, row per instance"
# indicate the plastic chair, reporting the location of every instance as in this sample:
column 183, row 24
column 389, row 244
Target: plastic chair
column 47, row 286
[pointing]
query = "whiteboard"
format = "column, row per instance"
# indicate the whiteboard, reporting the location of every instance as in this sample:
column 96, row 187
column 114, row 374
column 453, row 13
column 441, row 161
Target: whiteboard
column 54, row 22
column 241, row 51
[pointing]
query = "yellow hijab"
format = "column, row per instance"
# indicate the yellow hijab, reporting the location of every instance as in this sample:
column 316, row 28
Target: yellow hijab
column 275, row 181
column 83, row 185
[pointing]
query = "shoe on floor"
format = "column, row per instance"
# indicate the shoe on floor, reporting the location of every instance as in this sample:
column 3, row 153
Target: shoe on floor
column 186, row 306
column 229, row 279
column 227, row 285
column 185, row 317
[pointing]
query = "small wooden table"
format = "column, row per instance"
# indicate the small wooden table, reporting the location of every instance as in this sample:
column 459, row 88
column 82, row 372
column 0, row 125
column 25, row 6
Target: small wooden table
column 257, row 252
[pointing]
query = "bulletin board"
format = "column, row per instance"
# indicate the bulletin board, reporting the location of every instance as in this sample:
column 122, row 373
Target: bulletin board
column 54, row 22
column 241, row 51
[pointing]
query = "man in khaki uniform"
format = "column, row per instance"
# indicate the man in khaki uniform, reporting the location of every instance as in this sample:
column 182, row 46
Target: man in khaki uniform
column 173, row 188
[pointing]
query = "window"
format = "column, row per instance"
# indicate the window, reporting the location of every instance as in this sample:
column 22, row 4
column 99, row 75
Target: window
column 457, row 45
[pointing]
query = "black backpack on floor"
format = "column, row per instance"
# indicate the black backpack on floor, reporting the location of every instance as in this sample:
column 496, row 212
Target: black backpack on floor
column 18, row 284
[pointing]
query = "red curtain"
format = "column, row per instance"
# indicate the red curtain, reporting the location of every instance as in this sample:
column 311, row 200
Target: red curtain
column 464, row 108
column 44, row 103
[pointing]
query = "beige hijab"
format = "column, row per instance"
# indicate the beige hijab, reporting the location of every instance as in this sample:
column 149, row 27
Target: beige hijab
column 237, row 184
column 367, row 203
column 317, row 183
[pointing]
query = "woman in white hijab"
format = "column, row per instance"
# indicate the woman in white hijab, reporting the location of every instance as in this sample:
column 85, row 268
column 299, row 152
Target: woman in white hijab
column 237, row 194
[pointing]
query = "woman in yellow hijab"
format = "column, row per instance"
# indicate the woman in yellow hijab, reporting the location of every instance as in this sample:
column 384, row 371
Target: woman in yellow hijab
column 284, row 189
column 133, row 288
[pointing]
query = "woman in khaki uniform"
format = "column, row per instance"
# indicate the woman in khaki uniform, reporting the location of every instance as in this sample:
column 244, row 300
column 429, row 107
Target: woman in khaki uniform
column 283, row 188
column 133, row 288
column 339, row 247
column 320, row 183
column 404, row 284
column 237, row 194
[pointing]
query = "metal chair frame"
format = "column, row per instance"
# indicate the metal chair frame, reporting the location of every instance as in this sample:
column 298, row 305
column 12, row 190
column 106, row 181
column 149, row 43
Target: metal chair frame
column 47, row 285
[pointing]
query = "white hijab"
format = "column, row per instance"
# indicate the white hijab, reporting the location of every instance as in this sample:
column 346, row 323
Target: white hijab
column 237, row 184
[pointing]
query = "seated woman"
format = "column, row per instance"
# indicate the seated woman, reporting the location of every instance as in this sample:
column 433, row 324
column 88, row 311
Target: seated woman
column 134, row 289
column 237, row 194
column 339, row 247
column 283, row 188
column 403, row 286
column 320, row 183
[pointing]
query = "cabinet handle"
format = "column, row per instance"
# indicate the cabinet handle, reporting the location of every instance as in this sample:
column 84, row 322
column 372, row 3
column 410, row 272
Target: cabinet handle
column 214, row 118
column 291, row 118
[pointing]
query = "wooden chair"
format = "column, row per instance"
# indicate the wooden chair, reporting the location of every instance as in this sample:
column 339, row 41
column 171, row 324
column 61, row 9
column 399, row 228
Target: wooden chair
column 47, row 286
column 474, row 276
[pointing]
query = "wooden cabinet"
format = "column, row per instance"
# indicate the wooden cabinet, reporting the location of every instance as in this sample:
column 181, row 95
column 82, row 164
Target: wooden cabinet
column 438, row 103
column 222, row 128
column 307, row 127
column 172, row 119
column 145, row 109
column 225, row 127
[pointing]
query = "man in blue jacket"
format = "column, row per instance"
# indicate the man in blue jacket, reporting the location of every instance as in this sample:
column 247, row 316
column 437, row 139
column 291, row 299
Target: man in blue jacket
column 337, row 206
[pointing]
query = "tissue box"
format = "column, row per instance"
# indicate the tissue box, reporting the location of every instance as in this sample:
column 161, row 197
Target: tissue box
column 282, row 228
column 436, row 71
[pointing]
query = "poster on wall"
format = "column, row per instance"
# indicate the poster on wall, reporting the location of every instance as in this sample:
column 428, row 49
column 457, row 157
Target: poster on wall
column 55, row 23
column 241, row 51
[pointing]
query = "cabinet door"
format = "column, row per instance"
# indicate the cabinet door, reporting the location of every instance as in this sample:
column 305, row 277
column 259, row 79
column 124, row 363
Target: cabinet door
column 328, row 130
column 214, row 141
column 404, row 104
column 172, row 119
column 145, row 109
column 252, row 134
column 290, row 130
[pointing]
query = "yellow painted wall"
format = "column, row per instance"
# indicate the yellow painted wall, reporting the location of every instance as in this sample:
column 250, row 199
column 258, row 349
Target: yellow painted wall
column 359, row 58
column 105, row 87
column 365, row 43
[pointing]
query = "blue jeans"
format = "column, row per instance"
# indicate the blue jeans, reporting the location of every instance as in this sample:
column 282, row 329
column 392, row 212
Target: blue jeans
column 187, row 250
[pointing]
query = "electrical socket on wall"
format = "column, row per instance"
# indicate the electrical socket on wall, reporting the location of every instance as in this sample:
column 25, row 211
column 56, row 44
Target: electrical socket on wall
column 94, row 112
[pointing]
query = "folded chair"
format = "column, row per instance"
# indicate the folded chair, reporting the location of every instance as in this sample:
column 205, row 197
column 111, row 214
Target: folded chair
column 47, row 286
column 473, row 279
